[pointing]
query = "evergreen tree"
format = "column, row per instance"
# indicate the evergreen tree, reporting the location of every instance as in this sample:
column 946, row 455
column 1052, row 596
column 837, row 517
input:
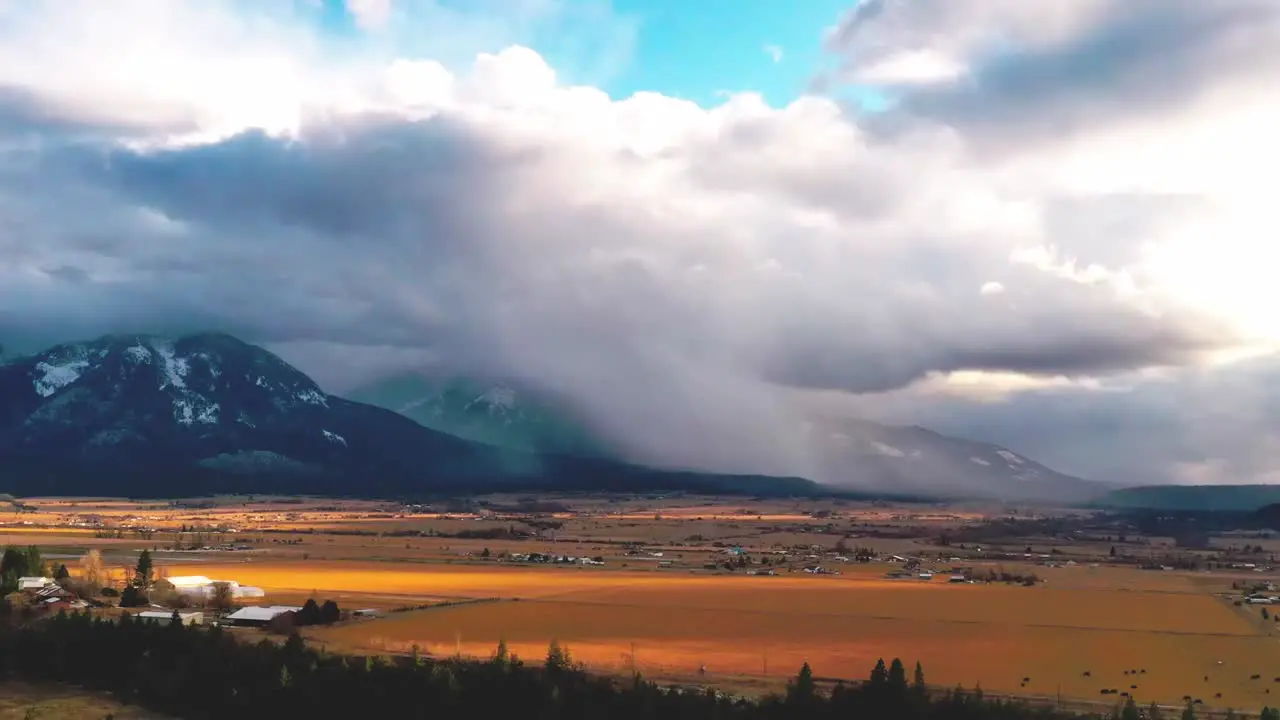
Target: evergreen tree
column 35, row 566
column 501, row 656
column 917, row 682
column 62, row 573
column 330, row 613
column 1153, row 712
column 897, row 676
column 1130, row 710
column 879, row 675
column 142, row 574
column 558, row 658
column 802, row 689
column 309, row 614
column 132, row 597
column 14, row 562
column 1189, row 712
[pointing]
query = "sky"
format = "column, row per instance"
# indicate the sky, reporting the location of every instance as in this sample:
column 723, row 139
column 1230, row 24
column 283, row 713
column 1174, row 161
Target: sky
column 1046, row 225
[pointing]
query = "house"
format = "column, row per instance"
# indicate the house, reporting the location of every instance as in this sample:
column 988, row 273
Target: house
column 161, row 617
column 33, row 583
column 259, row 616
column 52, row 591
column 958, row 578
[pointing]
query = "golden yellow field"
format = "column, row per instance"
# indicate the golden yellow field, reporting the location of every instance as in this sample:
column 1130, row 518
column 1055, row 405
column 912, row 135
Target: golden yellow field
column 1088, row 615
column 993, row 635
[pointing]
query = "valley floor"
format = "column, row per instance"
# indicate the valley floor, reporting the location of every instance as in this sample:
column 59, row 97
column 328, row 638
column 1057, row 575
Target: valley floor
column 663, row 603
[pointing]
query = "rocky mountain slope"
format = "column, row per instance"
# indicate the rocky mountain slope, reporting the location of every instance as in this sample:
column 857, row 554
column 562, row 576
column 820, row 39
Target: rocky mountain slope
column 850, row 453
column 208, row 413
column 919, row 460
column 495, row 412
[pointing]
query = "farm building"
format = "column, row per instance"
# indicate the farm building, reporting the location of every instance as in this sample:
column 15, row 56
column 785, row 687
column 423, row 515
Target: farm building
column 160, row 617
column 51, row 591
column 33, row 583
column 259, row 616
column 201, row 586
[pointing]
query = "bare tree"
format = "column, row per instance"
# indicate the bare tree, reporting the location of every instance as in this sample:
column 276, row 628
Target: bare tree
column 92, row 571
column 222, row 598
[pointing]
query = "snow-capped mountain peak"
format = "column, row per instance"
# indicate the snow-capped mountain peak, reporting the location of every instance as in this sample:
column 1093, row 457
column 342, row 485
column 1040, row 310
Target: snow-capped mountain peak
column 185, row 385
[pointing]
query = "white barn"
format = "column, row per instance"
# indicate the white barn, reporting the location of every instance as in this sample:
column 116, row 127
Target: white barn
column 161, row 617
column 201, row 586
column 259, row 616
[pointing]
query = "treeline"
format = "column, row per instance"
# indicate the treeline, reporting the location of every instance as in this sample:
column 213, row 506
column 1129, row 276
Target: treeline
column 197, row 673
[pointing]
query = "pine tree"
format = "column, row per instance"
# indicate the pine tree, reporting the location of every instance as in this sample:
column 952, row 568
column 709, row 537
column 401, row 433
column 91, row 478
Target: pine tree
column 62, row 573
column 917, row 682
column 142, row 575
column 1130, row 710
column 502, row 656
column 879, row 675
column 35, row 564
column 897, row 675
column 1189, row 712
column 803, row 689
column 558, row 657
column 310, row 613
column 330, row 613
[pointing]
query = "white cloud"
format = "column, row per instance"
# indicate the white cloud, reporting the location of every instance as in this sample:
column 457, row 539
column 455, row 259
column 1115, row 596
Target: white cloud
column 910, row 67
column 774, row 52
column 370, row 14
column 687, row 274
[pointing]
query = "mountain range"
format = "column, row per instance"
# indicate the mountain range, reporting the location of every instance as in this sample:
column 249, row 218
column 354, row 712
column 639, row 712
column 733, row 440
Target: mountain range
column 205, row 413
column 850, row 453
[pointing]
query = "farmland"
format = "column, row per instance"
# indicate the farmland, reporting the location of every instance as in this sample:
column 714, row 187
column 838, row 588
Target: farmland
column 662, row 598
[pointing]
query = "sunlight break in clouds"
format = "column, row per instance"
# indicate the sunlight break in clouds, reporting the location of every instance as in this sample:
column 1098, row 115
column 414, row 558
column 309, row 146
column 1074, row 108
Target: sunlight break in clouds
column 685, row 274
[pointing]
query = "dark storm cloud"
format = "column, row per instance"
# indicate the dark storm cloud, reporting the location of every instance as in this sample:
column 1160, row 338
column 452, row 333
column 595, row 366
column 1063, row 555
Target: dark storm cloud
column 1144, row 57
column 678, row 296
column 1075, row 68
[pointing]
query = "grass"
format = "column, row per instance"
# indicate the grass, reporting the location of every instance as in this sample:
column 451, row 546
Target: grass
column 21, row 701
